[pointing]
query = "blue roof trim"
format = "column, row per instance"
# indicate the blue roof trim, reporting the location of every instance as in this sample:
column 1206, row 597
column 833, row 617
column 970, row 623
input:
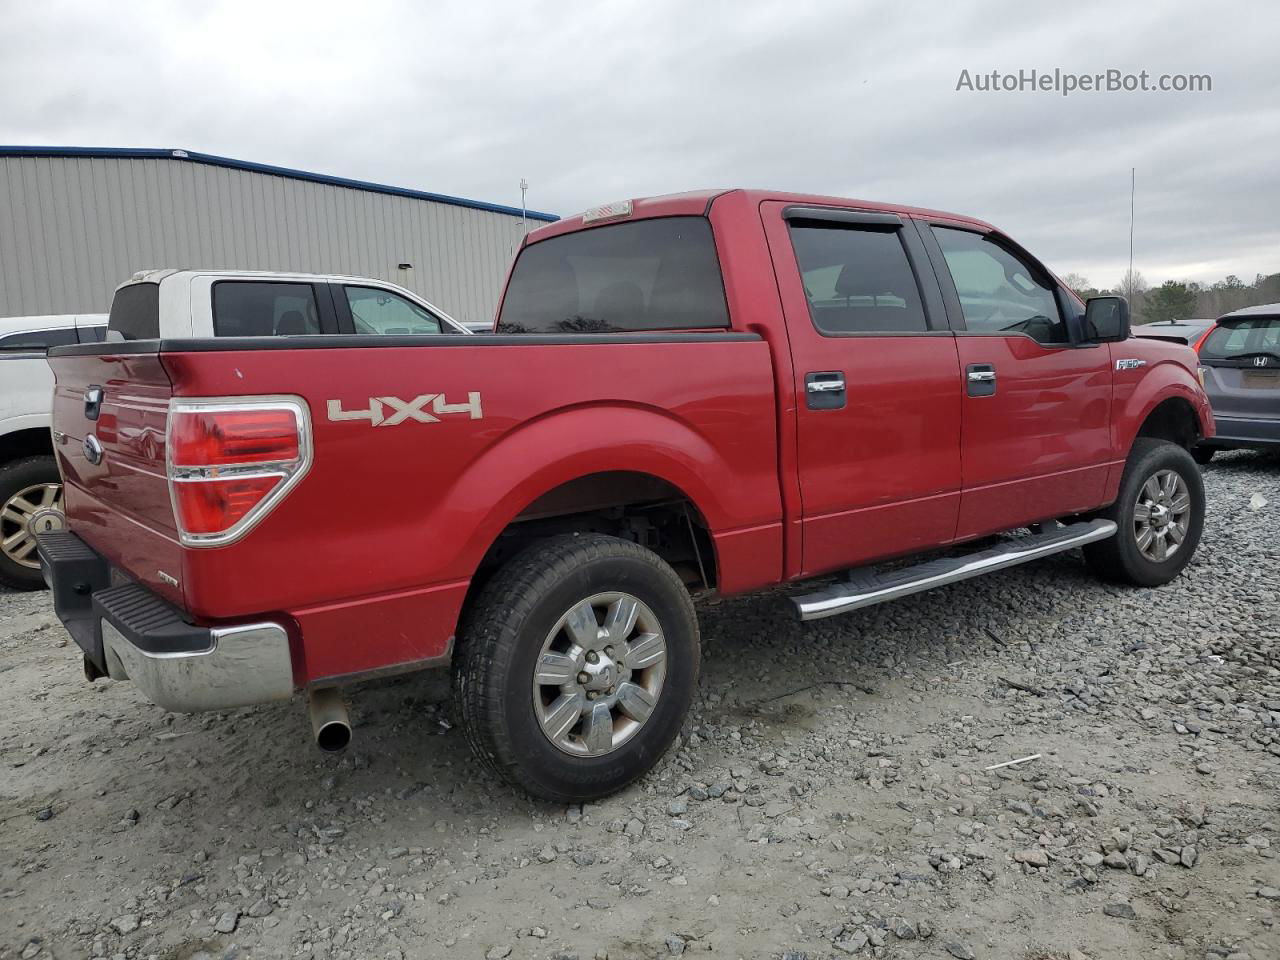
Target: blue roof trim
column 152, row 153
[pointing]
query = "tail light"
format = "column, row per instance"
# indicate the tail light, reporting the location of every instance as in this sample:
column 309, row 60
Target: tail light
column 231, row 460
column 1203, row 337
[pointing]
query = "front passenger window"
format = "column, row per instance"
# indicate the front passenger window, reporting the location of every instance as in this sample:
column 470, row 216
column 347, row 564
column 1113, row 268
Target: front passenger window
column 999, row 294
column 382, row 312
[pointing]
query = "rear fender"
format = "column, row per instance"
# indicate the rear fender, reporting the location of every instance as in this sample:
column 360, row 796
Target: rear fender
column 571, row 443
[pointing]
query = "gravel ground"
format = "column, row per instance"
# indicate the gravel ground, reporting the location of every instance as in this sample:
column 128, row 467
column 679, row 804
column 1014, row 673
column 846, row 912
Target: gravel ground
column 830, row 800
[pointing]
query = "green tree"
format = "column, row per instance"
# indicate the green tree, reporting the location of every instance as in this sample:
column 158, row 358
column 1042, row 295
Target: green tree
column 1171, row 300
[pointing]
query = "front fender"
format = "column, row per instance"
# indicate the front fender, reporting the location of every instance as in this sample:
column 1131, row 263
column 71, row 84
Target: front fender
column 1135, row 400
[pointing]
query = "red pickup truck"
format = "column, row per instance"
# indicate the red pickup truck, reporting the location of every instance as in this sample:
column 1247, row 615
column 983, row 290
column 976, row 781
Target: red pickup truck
column 710, row 391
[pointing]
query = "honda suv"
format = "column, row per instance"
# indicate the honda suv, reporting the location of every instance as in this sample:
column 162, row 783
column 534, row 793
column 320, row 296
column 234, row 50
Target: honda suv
column 1241, row 362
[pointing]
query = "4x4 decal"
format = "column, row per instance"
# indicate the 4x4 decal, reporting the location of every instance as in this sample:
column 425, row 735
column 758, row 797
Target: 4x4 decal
column 403, row 411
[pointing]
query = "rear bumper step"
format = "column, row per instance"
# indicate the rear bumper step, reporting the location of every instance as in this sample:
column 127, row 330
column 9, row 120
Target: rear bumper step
column 129, row 633
column 866, row 587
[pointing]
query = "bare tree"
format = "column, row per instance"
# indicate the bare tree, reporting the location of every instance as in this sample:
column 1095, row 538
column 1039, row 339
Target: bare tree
column 1133, row 287
column 1075, row 283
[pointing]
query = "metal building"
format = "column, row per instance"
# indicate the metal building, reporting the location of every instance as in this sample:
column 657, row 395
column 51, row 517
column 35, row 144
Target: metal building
column 75, row 222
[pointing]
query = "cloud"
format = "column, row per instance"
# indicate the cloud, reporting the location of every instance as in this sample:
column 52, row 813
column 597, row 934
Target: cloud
column 593, row 102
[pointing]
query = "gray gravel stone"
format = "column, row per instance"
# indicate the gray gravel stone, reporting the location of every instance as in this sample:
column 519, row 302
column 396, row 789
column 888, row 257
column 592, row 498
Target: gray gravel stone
column 125, row 924
column 227, row 922
column 1032, row 857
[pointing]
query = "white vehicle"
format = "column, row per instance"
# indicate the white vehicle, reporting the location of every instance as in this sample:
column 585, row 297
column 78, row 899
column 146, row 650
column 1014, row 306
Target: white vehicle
column 177, row 304
column 167, row 305
column 30, row 488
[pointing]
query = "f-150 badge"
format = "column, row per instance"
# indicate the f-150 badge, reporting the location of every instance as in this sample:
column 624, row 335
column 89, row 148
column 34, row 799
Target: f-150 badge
column 402, row 411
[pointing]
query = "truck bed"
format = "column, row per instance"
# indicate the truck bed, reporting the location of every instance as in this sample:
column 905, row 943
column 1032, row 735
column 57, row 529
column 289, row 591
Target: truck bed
column 696, row 410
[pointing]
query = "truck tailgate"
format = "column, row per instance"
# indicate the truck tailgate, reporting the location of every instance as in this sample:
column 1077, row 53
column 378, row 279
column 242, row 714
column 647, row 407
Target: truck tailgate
column 118, row 500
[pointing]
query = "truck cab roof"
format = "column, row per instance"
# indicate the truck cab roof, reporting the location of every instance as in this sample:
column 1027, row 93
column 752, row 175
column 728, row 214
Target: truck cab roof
column 698, row 203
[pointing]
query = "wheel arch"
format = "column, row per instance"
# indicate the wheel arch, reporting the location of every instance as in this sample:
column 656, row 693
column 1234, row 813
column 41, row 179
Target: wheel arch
column 32, row 441
column 1167, row 404
column 586, row 459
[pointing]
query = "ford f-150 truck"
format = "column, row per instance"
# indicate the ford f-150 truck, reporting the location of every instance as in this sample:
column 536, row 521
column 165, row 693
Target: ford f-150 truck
column 711, row 391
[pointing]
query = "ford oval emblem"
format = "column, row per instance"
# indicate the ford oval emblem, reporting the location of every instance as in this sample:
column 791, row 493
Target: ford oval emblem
column 92, row 449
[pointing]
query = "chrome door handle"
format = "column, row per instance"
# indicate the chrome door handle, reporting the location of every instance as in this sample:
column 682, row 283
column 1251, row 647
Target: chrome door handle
column 824, row 386
column 93, row 398
column 982, row 376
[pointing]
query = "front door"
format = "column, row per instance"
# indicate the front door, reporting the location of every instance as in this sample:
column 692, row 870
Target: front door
column 1037, row 407
column 877, row 382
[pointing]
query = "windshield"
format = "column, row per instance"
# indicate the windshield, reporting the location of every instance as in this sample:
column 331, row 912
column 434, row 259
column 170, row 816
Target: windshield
column 1246, row 337
column 658, row 274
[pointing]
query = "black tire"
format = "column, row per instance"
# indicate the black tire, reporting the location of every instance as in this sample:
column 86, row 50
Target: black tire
column 1119, row 558
column 14, row 477
column 501, row 641
column 1202, row 455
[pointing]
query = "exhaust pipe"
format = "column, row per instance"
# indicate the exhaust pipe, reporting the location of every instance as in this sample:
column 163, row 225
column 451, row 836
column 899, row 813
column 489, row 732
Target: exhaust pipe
column 329, row 720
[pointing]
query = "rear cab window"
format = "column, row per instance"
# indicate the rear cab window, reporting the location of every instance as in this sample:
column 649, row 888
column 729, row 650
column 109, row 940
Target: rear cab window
column 135, row 313
column 264, row 309
column 1244, row 339
column 642, row 275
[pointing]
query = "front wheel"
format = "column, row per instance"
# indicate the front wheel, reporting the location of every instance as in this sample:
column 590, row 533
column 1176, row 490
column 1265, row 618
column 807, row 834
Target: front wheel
column 1159, row 515
column 576, row 666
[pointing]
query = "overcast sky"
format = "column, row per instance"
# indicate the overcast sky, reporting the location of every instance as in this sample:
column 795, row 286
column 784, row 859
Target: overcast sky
column 598, row 101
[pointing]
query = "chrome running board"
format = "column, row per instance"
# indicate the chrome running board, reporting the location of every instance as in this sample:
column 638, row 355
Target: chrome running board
column 865, row 587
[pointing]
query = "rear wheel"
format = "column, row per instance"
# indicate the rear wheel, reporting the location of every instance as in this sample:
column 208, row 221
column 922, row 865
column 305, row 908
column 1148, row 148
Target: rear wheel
column 1202, row 455
column 30, row 502
column 1159, row 516
column 577, row 665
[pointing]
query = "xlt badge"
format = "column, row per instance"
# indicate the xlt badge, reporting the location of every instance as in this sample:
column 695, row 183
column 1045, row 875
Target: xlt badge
column 404, row 410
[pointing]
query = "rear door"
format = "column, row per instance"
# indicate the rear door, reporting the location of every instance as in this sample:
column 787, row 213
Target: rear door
column 1241, row 358
column 877, row 374
column 1037, row 406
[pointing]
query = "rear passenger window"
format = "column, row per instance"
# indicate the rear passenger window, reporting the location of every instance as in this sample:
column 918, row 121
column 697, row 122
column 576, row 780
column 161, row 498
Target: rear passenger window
column 857, row 280
column 135, row 312
column 999, row 294
column 37, row 341
column 258, row 309
column 383, row 312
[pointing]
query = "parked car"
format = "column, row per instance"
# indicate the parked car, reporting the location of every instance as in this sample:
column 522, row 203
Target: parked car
column 1179, row 331
column 172, row 304
column 1241, row 362
column 30, row 488
column 710, row 391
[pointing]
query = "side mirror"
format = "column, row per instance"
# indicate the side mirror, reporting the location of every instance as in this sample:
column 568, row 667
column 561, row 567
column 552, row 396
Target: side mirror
column 1106, row 319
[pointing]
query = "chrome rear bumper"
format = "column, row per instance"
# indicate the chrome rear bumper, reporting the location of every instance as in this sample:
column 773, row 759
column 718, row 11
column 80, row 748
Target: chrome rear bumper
column 127, row 632
column 243, row 665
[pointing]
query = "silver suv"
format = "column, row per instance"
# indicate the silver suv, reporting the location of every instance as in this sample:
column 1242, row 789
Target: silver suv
column 1241, row 361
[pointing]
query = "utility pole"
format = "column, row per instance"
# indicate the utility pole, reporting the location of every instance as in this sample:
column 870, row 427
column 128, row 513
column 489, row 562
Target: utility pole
column 1133, row 182
column 524, row 185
